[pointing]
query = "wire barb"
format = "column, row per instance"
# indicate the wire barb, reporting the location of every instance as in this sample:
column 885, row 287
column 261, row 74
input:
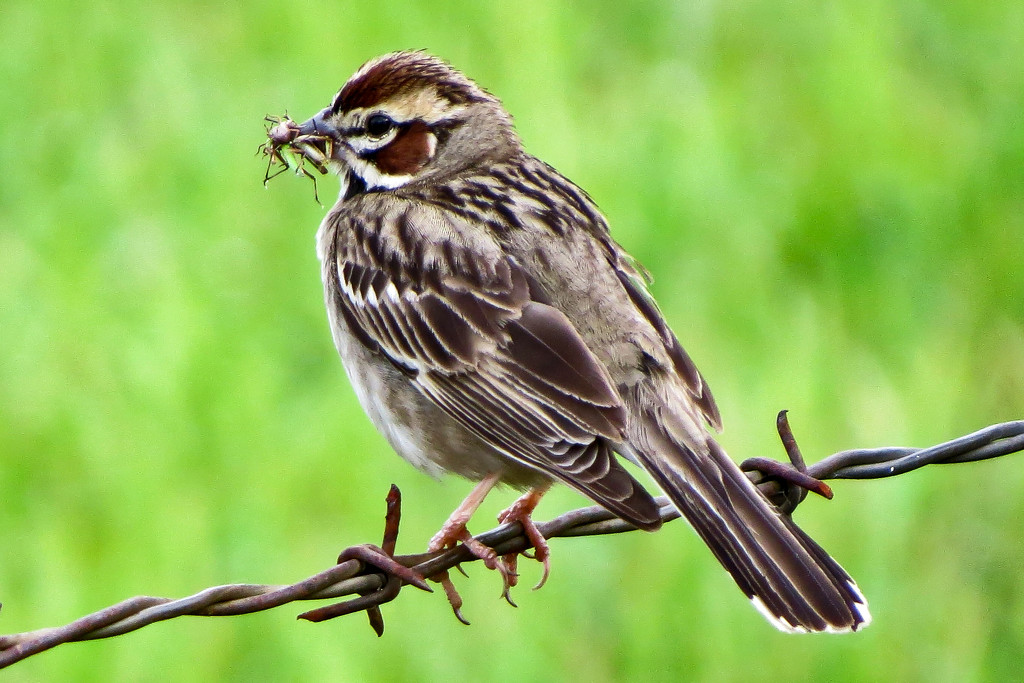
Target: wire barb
column 376, row 574
column 379, row 558
column 793, row 479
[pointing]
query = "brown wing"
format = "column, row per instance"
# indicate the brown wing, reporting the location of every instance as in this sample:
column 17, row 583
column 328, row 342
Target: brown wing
column 696, row 385
column 445, row 305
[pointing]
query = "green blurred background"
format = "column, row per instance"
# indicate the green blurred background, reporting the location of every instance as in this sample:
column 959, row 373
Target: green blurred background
column 831, row 200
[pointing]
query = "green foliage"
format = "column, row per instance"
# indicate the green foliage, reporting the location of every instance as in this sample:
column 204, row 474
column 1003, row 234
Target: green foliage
column 831, row 199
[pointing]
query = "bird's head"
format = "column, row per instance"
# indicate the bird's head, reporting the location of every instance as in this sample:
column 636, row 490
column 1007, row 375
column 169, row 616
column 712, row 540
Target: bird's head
column 400, row 118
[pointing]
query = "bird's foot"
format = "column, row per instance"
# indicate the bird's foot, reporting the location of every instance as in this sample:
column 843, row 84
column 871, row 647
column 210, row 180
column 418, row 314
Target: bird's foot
column 521, row 511
column 449, row 536
column 454, row 531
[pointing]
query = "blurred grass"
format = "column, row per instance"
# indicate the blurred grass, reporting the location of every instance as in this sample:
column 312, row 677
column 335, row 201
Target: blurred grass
column 831, row 200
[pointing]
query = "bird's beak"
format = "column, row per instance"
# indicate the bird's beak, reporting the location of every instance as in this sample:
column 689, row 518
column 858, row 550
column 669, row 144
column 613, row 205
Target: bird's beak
column 317, row 140
column 318, row 126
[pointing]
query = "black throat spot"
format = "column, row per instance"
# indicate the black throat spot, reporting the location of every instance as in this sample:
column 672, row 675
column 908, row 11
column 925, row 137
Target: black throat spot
column 355, row 186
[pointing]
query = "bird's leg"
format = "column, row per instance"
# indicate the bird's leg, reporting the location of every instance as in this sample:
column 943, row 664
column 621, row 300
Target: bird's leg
column 520, row 511
column 454, row 530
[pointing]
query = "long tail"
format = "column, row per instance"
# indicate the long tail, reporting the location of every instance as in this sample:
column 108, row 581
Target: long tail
column 787, row 576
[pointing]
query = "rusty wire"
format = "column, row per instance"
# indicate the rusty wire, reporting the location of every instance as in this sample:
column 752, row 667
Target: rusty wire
column 377, row 576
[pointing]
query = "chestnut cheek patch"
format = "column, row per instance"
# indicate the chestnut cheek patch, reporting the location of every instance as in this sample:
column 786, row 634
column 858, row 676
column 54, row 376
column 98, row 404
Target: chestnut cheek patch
column 409, row 152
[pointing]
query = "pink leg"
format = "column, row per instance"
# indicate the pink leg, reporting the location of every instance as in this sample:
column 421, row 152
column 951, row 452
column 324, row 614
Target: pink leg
column 454, row 530
column 520, row 511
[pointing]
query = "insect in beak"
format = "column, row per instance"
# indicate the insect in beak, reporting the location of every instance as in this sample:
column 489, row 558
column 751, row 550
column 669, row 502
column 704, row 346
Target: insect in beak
column 291, row 145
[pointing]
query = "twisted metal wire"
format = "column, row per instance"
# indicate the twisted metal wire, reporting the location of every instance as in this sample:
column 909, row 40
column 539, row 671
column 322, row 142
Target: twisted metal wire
column 376, row 575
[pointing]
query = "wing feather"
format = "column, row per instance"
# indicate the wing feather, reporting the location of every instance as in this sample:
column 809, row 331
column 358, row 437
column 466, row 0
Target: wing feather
column 460, row 321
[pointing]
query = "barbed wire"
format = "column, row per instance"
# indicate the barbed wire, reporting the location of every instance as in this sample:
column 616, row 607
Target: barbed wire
column 376, row 575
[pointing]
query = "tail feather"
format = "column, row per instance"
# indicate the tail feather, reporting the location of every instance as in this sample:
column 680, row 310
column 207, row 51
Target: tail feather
column 788, row 576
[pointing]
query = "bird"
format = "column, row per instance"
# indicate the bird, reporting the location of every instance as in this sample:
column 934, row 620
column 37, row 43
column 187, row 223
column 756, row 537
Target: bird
column 492, row 328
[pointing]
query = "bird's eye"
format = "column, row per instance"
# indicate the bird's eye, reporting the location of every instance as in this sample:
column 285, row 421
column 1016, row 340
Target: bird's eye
column 379, row 125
